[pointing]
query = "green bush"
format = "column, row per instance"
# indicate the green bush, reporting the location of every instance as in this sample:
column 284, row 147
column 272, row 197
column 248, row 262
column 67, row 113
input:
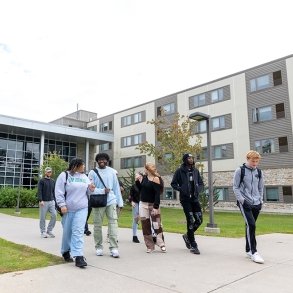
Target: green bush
column 27, row 197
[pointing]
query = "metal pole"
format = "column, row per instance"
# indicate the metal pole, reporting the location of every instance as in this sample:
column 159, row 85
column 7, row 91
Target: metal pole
column 17, row 210
column 210, row 176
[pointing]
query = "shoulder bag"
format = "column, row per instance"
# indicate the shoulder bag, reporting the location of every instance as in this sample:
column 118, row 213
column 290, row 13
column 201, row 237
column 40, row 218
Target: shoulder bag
column 98, row 200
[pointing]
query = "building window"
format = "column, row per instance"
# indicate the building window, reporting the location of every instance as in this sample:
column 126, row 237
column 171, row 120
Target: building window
column 137, row 139
column 262, row 114
column 169, row 194
column 280, row 111
column 287, row 194
column 272, row 194
column 106, row 146
column 283, row 144
column 217, row 95
column 134, row 162
column 277, row 77
column 260, row 83
column 137, row 117
column 197, row 101
column 107, row 126
column 265, row 146
column 218, row 123
column 126, row 141
column 201, row 126
column 166, row 109
column 220, row 152
column 132, row 140
column 222, row 194
column 126, row 120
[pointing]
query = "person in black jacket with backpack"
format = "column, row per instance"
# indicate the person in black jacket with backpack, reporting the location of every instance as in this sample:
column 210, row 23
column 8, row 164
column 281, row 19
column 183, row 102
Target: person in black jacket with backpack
column 188, row 182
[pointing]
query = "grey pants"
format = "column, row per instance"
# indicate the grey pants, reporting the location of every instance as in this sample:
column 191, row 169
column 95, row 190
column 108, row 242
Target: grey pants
column 49, row 206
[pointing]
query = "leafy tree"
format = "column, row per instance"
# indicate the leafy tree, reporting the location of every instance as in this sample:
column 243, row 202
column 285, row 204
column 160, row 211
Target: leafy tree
column 54, row 161
column 173, row 137
column 128, row 181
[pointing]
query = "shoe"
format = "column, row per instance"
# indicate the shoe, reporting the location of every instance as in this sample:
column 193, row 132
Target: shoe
column 186, row 240
column 150, row 250
column 194, row 249
column 163, row 248
column 80, row 262
column 114, row 252
column 99, row 252
column 135, row 239
column 249, row 254
column 44, row 235
column 87, row 232
column 67, row 257
column 50, row 235
column 257, row 258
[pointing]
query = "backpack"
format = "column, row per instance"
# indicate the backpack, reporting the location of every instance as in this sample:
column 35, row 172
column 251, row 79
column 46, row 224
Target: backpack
column 242, row 168
column 58, row 209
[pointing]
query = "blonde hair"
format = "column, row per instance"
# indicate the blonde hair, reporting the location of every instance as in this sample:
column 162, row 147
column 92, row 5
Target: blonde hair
column 151, row 168
column 253, row 155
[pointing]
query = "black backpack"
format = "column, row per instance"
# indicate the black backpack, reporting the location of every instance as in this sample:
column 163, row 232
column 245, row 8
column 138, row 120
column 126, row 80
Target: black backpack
column 242, row 174
column 58, row 209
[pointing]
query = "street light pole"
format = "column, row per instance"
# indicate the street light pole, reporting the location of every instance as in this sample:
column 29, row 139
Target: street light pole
column 198, row 116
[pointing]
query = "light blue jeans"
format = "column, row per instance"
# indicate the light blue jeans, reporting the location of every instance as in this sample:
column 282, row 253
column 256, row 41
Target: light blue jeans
column 135, row 219
column 73, row 228
column 49, row 206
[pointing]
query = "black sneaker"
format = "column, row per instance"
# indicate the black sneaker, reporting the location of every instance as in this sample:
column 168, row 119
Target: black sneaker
column 67, row 257
column 194, row 250
column 135, row 239
column 87, row 232
column 80, row 262
column 186, row 240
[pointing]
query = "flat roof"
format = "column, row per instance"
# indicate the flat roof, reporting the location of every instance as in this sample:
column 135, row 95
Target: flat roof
column 52, row 131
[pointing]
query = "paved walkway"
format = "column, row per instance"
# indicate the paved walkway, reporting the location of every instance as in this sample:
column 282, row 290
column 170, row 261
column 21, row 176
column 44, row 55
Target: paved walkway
column 222, row 266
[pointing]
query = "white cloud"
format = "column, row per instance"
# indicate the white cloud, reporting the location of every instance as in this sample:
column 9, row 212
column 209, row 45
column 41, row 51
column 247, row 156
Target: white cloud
column 110, row 55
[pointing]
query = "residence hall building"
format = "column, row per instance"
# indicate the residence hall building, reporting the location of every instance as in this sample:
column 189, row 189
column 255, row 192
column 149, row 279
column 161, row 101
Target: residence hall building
column 251, row 109
column 23, row 144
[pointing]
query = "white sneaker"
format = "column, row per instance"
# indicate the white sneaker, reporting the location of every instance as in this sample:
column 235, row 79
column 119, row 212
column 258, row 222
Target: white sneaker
column 257, row 258
column 114, row 252
column 99, row 252
column 50, row 234
column 249, row 254
column 44, row 235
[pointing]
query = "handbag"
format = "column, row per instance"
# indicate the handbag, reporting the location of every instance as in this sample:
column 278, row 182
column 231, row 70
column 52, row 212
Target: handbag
column 98, row 200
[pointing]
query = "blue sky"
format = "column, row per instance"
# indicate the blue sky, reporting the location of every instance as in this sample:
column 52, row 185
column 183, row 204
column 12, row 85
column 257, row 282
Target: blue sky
column 107, row 56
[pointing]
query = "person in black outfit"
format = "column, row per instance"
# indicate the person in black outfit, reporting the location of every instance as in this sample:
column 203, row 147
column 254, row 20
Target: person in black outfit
column 188, row 182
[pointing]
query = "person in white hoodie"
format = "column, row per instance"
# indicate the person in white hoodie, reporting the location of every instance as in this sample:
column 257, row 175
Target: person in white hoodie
column 248, row 186
column 71, row 192
column 114, row 202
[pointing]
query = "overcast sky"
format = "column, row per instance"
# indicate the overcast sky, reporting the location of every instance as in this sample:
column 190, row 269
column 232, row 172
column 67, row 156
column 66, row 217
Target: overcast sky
column 110, row 55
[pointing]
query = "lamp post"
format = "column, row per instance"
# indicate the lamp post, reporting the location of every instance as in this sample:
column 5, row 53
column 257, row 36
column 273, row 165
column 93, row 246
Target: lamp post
column 198, row 116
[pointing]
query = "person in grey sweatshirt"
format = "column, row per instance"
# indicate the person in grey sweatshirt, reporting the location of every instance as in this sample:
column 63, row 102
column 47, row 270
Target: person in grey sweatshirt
column 248, row 186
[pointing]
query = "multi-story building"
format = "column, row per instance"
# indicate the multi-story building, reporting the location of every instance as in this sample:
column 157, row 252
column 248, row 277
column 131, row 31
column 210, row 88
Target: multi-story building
column 251, row 109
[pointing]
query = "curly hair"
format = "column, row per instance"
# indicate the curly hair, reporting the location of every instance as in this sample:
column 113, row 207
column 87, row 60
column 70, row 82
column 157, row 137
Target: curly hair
column 101, row 156
column 75, row 164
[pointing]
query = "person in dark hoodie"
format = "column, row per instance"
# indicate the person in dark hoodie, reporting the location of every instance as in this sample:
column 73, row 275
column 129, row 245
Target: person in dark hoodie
column 188, row 182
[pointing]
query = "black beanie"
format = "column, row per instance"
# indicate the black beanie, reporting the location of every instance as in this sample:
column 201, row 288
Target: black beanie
column 185, row 156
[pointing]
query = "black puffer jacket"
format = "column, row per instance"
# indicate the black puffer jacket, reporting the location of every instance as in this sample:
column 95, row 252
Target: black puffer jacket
column 180, row 182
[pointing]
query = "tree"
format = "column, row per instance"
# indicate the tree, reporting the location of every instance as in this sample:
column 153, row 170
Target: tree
column 54, row 161
column 173, row 137
column 128, row 181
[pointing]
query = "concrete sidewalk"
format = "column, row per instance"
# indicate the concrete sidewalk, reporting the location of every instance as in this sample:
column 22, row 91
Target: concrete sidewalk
column 221, row 267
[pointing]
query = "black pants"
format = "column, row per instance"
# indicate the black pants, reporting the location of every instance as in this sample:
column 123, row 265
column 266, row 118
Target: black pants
column 250, row 215
column 86, row 227
column 193, row 214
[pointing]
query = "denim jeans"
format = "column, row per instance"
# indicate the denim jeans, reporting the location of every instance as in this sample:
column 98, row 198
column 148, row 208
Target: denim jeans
column 49, row 206
column 98, row 215
column 73, row 229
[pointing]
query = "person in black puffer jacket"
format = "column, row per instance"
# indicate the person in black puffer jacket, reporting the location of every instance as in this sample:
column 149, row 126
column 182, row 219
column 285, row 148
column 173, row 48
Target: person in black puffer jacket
column 188, row 182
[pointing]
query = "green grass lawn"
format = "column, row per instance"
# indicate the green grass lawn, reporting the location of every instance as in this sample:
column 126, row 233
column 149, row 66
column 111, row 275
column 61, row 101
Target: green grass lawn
column 231, row 224
column 16, row 257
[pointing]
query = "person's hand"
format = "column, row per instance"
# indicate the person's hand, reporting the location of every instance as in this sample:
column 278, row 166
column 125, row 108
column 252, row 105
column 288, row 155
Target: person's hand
column 133, row 204
column 92, row 187
column 41, row 203
column 64, row 210
column 107, row 190
column 155, row 212
column 138, row 177
column 246, row 205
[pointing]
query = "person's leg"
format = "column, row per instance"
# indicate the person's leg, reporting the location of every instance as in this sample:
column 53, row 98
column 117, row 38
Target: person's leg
column 144, row 214
column 86, row 226
column 135, row 217
column 43, row 212
column 53, row 215
column 255, row 212
column 77, row 240
column 157, row 226
column 98, row 215
column 67, row 231
column 187, row 208
column 197, row 215
column 111, row 213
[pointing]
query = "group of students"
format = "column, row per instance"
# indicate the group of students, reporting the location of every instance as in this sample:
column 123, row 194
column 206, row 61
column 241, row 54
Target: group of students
column 72, row 197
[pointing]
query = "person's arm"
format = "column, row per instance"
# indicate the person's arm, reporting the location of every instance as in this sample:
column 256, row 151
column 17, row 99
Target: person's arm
column 157, row 189
column 200, row 182
column 60, row 190
column 236, row 187
column 174, row 183
column 261, row 187
column 40, row 190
